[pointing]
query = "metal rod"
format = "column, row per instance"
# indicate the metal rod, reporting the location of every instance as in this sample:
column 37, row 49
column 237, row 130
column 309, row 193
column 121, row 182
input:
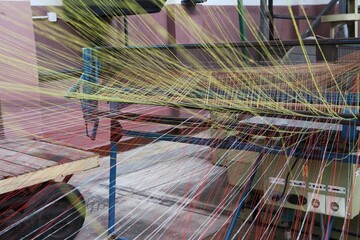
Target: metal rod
column 40, row 17
column 252, row 44
column 263, row 19
column 254, row 169
column 234, row 143
column 303, row 115
column 280, row 16
column 112, row 188
column 198, row 122
column 126, row 30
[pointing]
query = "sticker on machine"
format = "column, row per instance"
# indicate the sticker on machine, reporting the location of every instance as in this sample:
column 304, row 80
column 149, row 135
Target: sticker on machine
column 336, row 189
column 317, row 186
column 297, row 183
column 277, row 181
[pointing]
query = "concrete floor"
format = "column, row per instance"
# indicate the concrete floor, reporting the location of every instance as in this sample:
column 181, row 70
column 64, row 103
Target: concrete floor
column 155, row 184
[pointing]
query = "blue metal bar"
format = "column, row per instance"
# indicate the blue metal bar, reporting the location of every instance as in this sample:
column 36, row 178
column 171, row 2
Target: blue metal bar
column 112, row 188
column 233, row 143
column 254, row 169
column 87, row 62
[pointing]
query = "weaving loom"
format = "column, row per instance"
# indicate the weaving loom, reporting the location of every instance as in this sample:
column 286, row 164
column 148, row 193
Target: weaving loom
column 223, row 119
column 284, row 115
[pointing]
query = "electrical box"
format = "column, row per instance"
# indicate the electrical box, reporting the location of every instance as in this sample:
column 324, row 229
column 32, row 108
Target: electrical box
column 309, row 185
column 284, row 183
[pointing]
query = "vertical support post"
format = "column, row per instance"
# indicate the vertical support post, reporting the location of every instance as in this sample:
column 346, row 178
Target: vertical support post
column 353, row 26
column 87, row 62
column 242, row 25
column 171, row 39
column 343, row 29
column 126, row 30
column 263, row 19
column 247, row 188
column 112, row 188
column 271, row 19
column 90, row 76
column 241, row 20
column 115, row 136
column 342, row 6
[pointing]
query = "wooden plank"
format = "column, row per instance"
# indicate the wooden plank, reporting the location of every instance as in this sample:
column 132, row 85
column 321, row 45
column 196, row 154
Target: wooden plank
column 10, row 169
column 43, row 175
column 18, row 144
column 24, row 159
column 15, row 163
column 24, row 163
column 48, row 151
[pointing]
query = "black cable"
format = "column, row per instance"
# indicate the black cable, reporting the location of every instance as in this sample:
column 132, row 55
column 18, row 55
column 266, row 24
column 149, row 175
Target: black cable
column 287, row 178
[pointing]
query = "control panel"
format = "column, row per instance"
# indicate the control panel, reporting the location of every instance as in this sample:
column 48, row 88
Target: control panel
column 312, row 185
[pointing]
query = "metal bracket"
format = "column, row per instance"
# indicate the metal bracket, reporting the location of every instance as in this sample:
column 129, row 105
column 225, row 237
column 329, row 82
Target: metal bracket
column 90, row 107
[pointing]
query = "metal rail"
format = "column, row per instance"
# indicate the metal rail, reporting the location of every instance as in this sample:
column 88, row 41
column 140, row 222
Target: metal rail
column 234, row 143
column 248, row 44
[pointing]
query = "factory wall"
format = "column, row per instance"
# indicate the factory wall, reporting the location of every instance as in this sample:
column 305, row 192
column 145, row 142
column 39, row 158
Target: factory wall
column 18, row 67
column 18, row 56
column 56, row 42
column 218, row 23
column 209, row 23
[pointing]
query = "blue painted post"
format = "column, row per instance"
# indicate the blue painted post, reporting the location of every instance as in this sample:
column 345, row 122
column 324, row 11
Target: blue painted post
column 87, row 65
column 90, row 76
column 243, row 196
column 112, row 188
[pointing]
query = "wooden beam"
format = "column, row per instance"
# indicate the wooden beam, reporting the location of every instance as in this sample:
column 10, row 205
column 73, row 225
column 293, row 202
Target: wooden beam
column 340, row 18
